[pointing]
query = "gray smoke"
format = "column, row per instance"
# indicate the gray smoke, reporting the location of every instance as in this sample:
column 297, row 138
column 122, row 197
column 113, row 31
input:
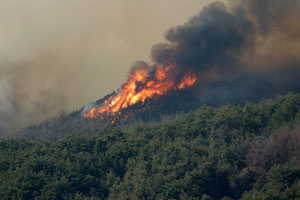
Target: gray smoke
column 213, row 39
column 243, row 50
column 56, row 56
column 32, row 91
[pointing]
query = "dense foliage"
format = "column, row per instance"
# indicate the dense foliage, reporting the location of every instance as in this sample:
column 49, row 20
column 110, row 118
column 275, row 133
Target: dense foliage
column 233, row 152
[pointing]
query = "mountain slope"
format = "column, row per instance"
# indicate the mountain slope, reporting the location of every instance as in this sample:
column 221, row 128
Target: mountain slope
column 249, row 152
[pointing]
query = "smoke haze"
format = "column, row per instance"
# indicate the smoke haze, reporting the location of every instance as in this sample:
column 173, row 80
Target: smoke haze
column 56, row 56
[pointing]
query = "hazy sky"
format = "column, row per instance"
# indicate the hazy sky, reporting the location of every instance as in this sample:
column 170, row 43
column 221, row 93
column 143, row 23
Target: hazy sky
column 58, row 55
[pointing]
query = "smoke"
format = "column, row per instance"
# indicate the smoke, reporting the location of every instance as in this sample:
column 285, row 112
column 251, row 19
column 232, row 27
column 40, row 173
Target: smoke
column 242, row 50
column 213, row 39
column 56, row 56
column 6, row 108
column 32, row 91
column 51, row 63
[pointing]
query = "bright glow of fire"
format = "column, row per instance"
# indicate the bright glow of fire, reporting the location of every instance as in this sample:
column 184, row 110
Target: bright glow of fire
column 141, row 85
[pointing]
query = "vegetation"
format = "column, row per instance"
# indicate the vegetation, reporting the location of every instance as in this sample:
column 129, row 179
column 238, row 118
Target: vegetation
column 233, row 152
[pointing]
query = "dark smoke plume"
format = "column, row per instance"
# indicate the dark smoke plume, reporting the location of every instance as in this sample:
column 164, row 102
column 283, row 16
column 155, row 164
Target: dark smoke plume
column 213, row 39
column 243, row 50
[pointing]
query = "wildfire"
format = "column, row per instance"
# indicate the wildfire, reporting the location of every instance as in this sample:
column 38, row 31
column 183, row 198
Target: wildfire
column 141, row 85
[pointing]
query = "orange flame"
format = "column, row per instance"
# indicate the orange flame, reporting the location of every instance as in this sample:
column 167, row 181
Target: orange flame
column 141, row 86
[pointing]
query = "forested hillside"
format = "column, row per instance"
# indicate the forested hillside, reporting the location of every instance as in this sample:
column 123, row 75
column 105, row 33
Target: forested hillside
column 233, row 152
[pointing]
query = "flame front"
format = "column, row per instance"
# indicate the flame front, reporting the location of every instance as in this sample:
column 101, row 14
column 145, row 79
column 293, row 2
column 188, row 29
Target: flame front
column 141, row 85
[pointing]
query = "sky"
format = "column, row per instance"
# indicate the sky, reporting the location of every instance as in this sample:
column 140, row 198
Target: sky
column 57, row 55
